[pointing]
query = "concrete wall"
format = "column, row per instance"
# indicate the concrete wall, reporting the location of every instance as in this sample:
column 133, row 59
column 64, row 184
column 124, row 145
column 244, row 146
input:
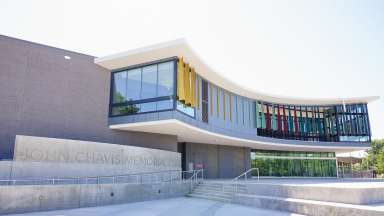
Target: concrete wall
column 39, row 157
column 43, row 94
column 351, row 195
column 218, row 161
column 17, row 199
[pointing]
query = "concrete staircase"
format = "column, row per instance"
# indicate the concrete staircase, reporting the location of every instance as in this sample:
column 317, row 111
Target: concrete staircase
column 216, row 191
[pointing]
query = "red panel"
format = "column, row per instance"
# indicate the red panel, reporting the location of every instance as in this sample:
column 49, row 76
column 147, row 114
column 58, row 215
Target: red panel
column 268, row 118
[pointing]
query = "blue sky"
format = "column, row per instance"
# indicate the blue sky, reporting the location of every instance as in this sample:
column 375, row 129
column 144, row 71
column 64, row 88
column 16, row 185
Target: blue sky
column 295, row 48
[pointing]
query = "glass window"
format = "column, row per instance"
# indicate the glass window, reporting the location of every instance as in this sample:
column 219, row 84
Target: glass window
column 148, row 85
column 165, row 79
column 165, row 104
column 134, row 84
column 120, row 87
column 126, row 110
column 185, row 109
column 153, row 81
column 148, row 107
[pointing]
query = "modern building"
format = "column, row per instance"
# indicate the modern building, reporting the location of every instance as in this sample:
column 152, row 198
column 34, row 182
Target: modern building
column 165, row 97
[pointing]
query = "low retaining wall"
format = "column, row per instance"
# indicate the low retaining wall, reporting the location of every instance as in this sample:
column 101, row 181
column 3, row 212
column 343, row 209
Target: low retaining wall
column 18, row 199
column 305, row 207
column 42, row 157
column 351, row 195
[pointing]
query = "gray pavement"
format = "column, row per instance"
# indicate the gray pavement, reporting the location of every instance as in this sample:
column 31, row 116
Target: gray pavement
column 168, row 207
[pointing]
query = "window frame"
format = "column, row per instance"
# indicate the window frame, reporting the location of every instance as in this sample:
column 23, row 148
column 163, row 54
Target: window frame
column 147, row 100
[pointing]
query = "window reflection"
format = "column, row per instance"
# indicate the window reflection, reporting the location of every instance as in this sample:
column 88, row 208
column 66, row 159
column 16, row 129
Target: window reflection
column 144, row 89
column 300, row 164
column 120, row 87
column 134, row 84
column 165, row 79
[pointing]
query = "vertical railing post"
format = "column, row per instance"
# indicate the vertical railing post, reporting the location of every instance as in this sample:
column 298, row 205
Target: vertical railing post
column 258, row 175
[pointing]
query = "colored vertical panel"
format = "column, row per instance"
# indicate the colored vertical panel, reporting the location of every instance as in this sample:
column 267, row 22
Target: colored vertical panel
column 230, row 107
column 180, row 80
column 187, row 84
column 224, row 105
column 193, row 88
column 268, row 118
column 218, row 101
column 295, row 119
column 291, row 121
column 262, row 115
column 278, row 118
column 211, row 97
column 285, row 120
column 257, row 114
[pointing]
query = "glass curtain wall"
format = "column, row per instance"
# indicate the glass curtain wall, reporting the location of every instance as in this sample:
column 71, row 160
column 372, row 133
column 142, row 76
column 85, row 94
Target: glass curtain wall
column 151, row 88
column 294, row 164
column 143, row 89
column 313, row 123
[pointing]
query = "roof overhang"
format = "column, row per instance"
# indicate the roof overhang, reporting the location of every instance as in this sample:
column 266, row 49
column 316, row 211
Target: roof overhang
column 189, row 133
column 181, row 48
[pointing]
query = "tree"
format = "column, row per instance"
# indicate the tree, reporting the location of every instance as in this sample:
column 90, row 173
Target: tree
column 128, row 109
column 375, row 156
column 380, row 162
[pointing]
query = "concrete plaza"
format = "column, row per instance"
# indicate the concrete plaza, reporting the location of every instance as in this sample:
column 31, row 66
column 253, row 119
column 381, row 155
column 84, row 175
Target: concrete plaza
column 167, row 207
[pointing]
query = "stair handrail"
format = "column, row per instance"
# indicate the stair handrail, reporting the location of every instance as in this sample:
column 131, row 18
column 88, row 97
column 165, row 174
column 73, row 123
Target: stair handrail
column 245, row 174
column 194, row 178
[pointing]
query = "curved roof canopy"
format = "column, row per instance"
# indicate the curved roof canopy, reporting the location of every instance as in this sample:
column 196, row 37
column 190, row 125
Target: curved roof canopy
column 181, row 48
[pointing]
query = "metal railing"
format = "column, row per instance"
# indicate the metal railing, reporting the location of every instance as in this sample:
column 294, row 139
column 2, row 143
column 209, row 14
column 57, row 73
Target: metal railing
column 245, row 175
column 168, row 176
column 194, row 179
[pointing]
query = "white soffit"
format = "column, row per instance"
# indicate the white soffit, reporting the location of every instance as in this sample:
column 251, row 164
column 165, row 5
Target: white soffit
column 180, row 48
column 188, row 133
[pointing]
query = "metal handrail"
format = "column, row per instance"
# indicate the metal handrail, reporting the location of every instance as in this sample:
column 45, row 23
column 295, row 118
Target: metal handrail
column 138, row 178
column 194, row 178
column 245, row 174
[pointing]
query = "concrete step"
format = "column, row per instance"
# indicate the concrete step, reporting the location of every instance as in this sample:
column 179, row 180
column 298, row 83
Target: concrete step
column 212, row 191
column 221, row 185
column 227, row 190
column 306, row 207
column 222, row 195
column 204, row 196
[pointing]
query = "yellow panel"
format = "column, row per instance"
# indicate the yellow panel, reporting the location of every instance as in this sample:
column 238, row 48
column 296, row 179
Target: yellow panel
column 230, row 107
column 193, row 87
column 187, row 84
column 180, row 80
